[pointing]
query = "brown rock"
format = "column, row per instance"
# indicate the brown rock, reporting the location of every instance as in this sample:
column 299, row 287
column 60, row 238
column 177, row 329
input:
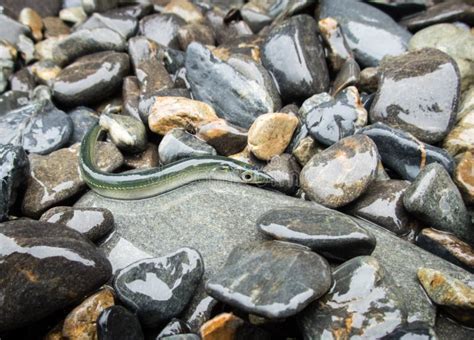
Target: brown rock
column 195, row 32
column 29, row 17
column 270, row 134
column 305, row 150
column 185, row 10
column 461, row 138
column 45, row 71
column 80, row 324
column 54, row 27
column 144, row 160
column 222, row 327
column 464, row 177
column 56, row 333
column 369, row 79
column 226, row 138
column 168, row 113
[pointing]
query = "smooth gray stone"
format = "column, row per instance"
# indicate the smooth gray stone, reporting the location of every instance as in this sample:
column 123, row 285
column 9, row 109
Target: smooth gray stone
column 126, row 26
column 10, row 30
column 213, row 217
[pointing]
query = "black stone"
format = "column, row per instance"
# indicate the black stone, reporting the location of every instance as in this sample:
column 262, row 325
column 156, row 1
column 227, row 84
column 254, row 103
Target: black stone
column 175, row 327
column 117, row 323
column 285, row 170
column 12, row 100
column 162, row 28
column 83, row 119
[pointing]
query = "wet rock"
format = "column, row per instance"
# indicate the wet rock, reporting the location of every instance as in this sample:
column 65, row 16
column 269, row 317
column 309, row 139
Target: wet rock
column 55, row 27
column 80, row 323
column 342, row 172
column 338, row 49
column 382, row 204
column 179, row 144
column 270, row 134
column 93, row 223
column 58, row 267
column 226, row 31
column 56, row 177
column 13, row 169
column 369, row 79
column 447, row 246
column 144, row 160
column 285, row 170
column 91, row 78
column 127, row 133
column 362, row 302
column 236, row 97
column 247, row 157
column 461, row 138
column 229, row 326
column 135, row 11
column 185, row 9
column 329, row 233
column 73, row 15
column 226, row 138
column 23, row 81
column 85, row 42
column 370, row 33
column 158, row 289
column 126, row 26
column 349, row 75
column 91, row 6
column 200, row 312
column 306, row 149
column 26, row 48
column 44, row 49
column 11, row 30
column 29, row 17
column 330, row 119
column 413, row 330
column 44, row 8
column 435, row 199
column 174, row 327
column 83, row 119
column 295, row 57
column 12, row 100
column 168, row 113
column 189, row 336
column 453, row 295
column 162, row 28
column 131, row 97
column 403, row 153
column 419, row 93
column 299, row 277
column 117, row 323
column 195, row 32
column 464, row 177
column 45, row 71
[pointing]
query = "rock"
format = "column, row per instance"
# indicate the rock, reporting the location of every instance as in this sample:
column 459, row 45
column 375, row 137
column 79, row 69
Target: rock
column 12, row 100
column 83, row 119
column 93, row 223
column 464, row 177
column 117, row 323
column 179, row 144
column 200, row 312
column 13, row 169
column 168, row 113
column 413, row 330
column 23, row 81
column 91, row 6
column 91, row 78
column 80, row 323
column 189, row 336
column 45, row 71
column 299, row 277
column 127, row 133
column 26, row 47
column 270, row 134
column 349, row 75
column 55, row 27
column 306, row 149
column 226, row 138
column 11, row 30
column 369, row 79
column 329, row 233
column 453, row 295
column 371, row 34
column 200, row 33
column 285, row 170
column 229, row 326
column 56, row 177
column 419, row 93
column 144, row 160
column 236, row 97
column 226, row 31
column 455, row 41
column 29, row 17
column 174, row 327
column 74, row 15
column 185, row 9
column 341, row 173
column 362, row 302
column 330, row 119
column 435, row 199
column 126, row 26
column 158, row 289
column 338, row 48
column 461, row 138
column 135, row 11
column 58, row 267
column 131, row 97
column 162, row 28
column 44, row 49
column 467, row 104
column 447, row 246
column 382, row 204
column 403, row 153
column 295, row 57
column 44, row 8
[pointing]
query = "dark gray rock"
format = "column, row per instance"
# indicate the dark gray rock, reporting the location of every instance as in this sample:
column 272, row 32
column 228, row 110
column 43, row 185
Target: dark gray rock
column 295, row 57
column 83, row 119
column 125, row 25
column 23, row 81
column 11, row 30
column 299, row 276
column 127, row 133
column 131, row 97
column 418, row 93
column 174, row 327
column 91, row 6
column 44, row 8
column 413, row 330
column 46, row 268
column 226, row 138
column 118, row 323
column 12, row 100
column 135, row 11
column 158, row 289
column 349, row 75
column 162, row 28
column 336, row 43
column 285, row 170
column 329, row 233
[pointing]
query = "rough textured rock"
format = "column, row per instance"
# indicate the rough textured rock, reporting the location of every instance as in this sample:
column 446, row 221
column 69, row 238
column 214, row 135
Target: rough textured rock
column 464, row 177
column 461, row 138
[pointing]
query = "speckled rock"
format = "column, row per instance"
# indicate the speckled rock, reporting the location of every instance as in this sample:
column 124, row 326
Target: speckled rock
column 58, row 267
column 144, row 160
column 127, row 133
column 435, row 199
column 83, row 119
column 305, row 149
column 285, row 170
column 461, row 138
column 464, row 177
column 419, row 93
column 162, row 28
column 341, row 173
column 118, row 323
column 226, row 138
column 93, row 223
column 174, row 327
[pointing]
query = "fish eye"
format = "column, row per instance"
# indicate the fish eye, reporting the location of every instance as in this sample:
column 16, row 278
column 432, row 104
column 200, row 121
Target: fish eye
column 247, row 176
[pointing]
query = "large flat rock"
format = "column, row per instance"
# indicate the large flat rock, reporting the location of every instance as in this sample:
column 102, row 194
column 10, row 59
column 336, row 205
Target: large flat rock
column 213, row 217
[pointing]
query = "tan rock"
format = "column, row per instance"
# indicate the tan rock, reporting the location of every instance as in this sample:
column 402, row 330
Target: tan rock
column 32, row 19
column 270, row 134
column 306, row 149
column 222, row 327
column 226, row 138
column 247, row 157
column 80, row 324
column 53, row 27
column 464, row 176
column 461, row 138
column 184, row 9
column 74, row 15
column 168, row 113
column 45, row 71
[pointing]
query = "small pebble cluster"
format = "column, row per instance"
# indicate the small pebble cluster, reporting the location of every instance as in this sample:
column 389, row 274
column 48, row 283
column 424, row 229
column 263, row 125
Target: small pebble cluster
column 361, row 111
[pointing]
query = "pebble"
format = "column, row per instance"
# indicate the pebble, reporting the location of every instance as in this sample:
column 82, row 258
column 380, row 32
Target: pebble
column 91, row 78
column 299, row 277
column 464, row 177
column 179, row 144
column 44, row 49
column 158, row 289
column 45, row 71
column 447, row 246
column 131, row 97
column 127, row 133
column 200, row 312
column 118, row 323
column 369, row 79
column 363, row 302
column 23, row 81
column 454, row 296
column 413, row 330
column 58, row 267
column 285, row 171
column 270, row 134
column 11, row 30
column 162, row 28
column 349, row 75
column 237, row 98
column 305, row 150
column 226, row 138
column 44, row 8
column 26, row 48
column 330, row 119
column 294, row 55
column 12, row 100
column 174, row 327
column 91, row 6
column 83, row 119
column 224, row 31
column 229, row 326
column 335, row 236
column 126, row 26
column 74, row 15
column 13, row 169
column 144, row 160
column 185, row 9
column 338, row 48
column 419, row 93
column 200, row 33
column 81, row 322
column 55, row 27
column 461, row 138
column 29, row 17
column 92, row 223
column 403, row 153
column 382, row 204
column 341, row 173
column 435, row 199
